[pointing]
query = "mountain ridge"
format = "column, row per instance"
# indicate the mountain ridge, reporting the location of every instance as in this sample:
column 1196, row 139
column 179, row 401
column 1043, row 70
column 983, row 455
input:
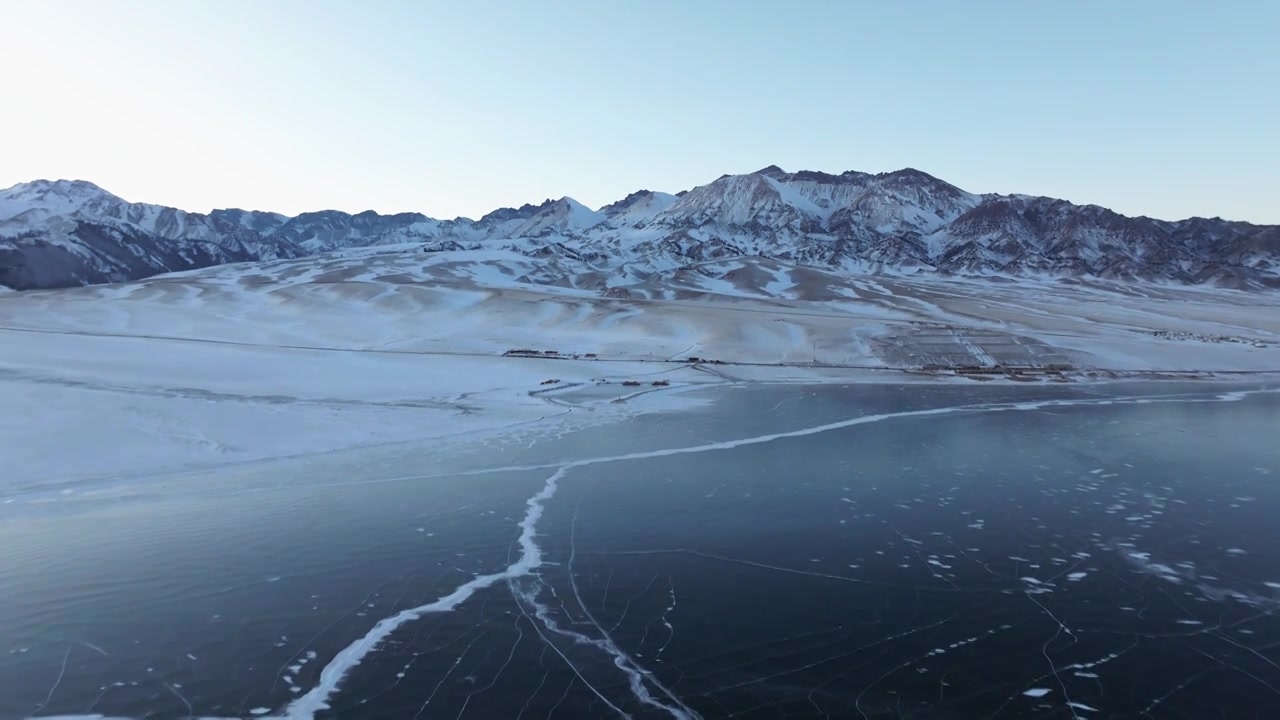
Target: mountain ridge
column 57, row 233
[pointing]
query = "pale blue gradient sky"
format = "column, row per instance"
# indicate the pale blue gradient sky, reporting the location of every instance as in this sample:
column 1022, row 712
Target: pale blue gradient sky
column 453, row 108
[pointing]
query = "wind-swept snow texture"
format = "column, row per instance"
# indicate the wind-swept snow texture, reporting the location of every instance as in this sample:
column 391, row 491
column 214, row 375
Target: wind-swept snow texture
column 370, row 347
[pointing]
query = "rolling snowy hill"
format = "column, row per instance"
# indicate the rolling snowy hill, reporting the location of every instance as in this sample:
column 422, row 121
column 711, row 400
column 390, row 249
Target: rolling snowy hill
column 64, row 233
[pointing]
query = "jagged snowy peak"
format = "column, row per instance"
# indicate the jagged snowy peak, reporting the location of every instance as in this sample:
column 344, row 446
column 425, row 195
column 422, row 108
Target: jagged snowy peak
column 259, row 222
column 565, row 216
column 62, row 204
column 1017, row 234
column 71, row 232
column 744, row 201
column 331, row 229
column 53, row 196
column 79, row 253
column 637, row 209
column 903, row 202
column 852, row 205
column 56, row 233
column 1237, row 242
column 828, row 193
column 41, row 200
column 1260, row 251
column 502, row 221
column 994, row 233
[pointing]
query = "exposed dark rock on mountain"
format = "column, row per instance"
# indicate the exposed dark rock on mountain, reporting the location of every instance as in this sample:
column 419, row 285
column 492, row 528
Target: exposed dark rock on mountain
column 71, row 232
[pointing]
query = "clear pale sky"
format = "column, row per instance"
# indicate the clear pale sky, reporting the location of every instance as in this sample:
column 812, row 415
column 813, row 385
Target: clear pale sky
column 455, row 107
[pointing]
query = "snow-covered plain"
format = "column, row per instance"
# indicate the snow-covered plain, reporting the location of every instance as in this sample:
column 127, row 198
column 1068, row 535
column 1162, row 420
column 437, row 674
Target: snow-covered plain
column 247, row 362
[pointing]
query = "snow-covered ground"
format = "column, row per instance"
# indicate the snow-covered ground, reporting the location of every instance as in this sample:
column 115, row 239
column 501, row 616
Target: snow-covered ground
column 247, row 362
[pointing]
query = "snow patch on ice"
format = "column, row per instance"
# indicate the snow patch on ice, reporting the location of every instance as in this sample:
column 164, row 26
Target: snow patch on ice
column 1036, row 692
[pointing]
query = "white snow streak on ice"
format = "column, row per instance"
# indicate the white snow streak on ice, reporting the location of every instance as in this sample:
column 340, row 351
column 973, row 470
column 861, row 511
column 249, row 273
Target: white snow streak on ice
column 1036, row 692
column 317, row 699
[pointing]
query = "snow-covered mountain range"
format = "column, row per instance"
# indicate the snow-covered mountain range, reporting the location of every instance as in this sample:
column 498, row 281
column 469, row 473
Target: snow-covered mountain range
column 71, row 232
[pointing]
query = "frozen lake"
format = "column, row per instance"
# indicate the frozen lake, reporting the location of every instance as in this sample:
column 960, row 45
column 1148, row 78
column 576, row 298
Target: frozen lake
column 877, row 551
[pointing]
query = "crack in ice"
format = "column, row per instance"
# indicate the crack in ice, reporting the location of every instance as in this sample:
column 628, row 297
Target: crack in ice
column 317, row 699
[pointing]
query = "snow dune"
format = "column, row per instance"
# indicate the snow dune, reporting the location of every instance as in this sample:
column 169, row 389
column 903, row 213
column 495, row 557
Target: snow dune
column 247, row 362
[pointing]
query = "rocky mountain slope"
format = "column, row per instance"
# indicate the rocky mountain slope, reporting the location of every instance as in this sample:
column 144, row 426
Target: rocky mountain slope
column 63, row 233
